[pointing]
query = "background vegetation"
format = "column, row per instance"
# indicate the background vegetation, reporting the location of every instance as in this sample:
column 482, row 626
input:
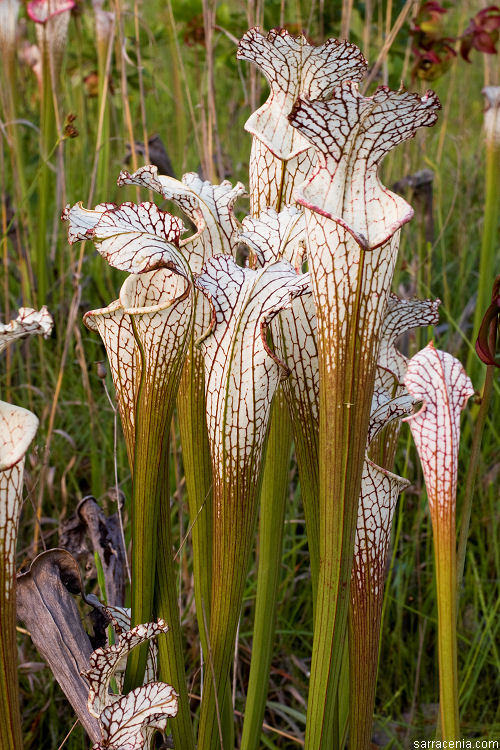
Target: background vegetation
column 172, row 72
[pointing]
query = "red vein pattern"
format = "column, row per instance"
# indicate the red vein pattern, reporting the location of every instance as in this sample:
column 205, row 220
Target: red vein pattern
column 159, row 303
column 121, row 622
column 210, row 208
column 352, row 134
column 27, row 323
column 271, row 237
column 379, row 493
column 131, row 237
column 272, row 180
column 441, row 383
column 127, row 721
column 106, row 661
column 353, row 226
column 275, row 236
column 400, row 317
column 241, row 375
column 281, row 158
column 82, row 221
column 17, row 429
column 294, row 68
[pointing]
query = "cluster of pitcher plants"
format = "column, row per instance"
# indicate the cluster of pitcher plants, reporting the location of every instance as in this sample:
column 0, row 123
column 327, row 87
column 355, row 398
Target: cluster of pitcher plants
column 275, row 332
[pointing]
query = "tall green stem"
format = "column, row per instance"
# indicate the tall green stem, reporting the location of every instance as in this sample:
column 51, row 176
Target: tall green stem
column 198, row 472
column 232, row 488
column 272, row 517
column 147, row 491
column 305, row 436
column 171, row 668
column 155, row 401
column 196, row 459
column 439, row 380
column 446, row 589
column 347, row 372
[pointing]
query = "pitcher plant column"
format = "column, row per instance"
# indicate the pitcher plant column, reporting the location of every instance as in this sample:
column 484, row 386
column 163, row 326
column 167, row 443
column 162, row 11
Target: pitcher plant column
column 353, row 226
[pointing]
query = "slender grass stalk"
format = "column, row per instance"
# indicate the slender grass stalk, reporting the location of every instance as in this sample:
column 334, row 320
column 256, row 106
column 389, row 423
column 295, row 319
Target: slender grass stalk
column 46, row 183
column 389, row 41
column 52, row 29
column 272, row 517
column 489, row 242
column 9, row 98
column 186, row 88
column 105, row 30
column 472, row 466
column 486, row 349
